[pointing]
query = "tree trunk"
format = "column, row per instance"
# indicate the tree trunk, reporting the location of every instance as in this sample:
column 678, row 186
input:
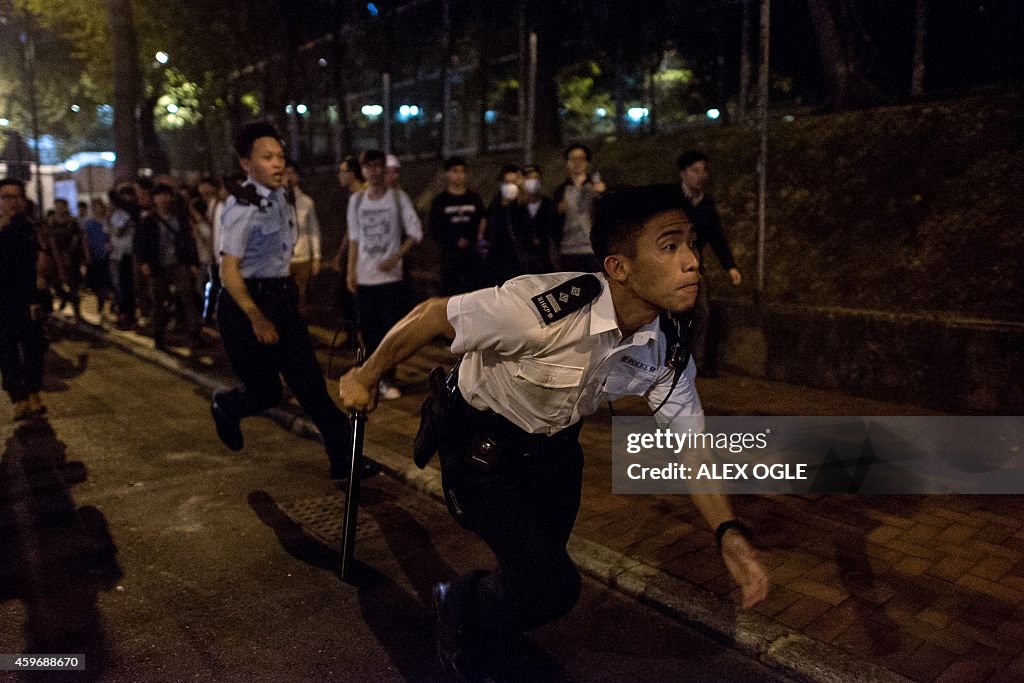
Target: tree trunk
column 744, row 62
column 920, row 30
column 831, row 52
column 127, row 88
column 152, row 151
column 547, row 122
column 619, row 92
column 483, row 76
column 446, row 79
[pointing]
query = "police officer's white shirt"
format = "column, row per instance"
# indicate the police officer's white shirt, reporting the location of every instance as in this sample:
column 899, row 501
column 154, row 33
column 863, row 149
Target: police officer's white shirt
column 374, row 224
column 544, row 378
column 263, row 236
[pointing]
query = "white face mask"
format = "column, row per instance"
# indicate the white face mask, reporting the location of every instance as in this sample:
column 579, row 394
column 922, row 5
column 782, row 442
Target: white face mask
column 532, row 185
column 509, row 191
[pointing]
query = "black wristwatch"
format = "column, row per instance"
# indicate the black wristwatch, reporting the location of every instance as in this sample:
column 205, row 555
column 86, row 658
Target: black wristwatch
column 731, row 524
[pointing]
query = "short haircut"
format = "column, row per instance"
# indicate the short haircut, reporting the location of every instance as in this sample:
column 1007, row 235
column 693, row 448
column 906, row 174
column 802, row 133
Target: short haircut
column 208, row 180
column 20, row 184
column 689, row 158
column 83, row 205
column 144, row 182
column 619, row 216
column 250, row 133
column 452, row 162
column 532, row 168
column 353, row 167
column 373, row 155
column 60, row 200
column 508, row 168
column 163, row 188
column 577, row 145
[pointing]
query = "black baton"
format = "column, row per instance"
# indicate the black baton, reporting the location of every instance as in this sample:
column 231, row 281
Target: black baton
column 352, row 498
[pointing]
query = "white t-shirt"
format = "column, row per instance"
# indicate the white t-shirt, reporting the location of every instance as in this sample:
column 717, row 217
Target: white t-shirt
column 373, row 223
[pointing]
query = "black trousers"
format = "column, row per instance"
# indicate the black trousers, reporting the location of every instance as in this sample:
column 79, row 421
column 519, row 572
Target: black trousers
column 22, row 347
column 126, row 287
column 161, row 280
column 523, row 505
column 259, row 365
column 379, row 307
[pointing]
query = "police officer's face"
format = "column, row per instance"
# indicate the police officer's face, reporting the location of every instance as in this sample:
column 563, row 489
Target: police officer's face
column 664, row 271
column 266, row 162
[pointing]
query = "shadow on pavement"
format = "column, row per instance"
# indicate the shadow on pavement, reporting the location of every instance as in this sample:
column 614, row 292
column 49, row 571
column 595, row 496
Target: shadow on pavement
column 60, row 370
column 54, row 557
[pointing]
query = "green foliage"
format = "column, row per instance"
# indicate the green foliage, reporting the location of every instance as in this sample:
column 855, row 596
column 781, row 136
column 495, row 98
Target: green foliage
column 581, row 98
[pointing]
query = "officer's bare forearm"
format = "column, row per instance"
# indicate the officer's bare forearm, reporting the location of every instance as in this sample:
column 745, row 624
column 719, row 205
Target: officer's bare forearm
column 425, row 322
column 231, row 279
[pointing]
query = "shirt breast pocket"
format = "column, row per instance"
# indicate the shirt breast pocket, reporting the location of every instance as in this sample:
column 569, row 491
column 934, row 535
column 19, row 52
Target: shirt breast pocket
column 547, row 386
column 268, row 228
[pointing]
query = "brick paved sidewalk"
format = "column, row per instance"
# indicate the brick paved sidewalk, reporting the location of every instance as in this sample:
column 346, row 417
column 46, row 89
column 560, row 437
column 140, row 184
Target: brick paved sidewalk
column 929, row 587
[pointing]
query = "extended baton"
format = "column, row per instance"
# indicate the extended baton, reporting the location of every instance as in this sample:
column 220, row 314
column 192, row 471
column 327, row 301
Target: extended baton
column 352, row 498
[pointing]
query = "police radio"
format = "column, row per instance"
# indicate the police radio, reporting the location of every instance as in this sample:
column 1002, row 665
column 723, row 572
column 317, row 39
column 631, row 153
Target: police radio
column 678, row 331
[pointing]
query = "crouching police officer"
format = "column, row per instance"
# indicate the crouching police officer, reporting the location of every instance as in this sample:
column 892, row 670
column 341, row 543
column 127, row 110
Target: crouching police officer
column 258, row 316
column 540, row 353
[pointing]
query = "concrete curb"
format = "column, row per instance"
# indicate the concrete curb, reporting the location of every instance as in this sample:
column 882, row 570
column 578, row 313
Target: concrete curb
column 759, row 636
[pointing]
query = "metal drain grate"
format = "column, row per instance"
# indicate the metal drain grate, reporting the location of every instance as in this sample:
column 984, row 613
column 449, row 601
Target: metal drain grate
column 322, row 518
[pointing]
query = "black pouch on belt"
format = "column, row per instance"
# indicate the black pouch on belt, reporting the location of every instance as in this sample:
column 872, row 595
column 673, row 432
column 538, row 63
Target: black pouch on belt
column 435, row 418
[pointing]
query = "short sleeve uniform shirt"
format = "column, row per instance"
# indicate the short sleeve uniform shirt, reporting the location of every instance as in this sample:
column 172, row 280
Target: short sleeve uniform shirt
column 544, row 378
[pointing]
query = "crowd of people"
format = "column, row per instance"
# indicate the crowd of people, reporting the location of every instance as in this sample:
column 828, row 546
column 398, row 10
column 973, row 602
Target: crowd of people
column 150, row 252
column 554, row 305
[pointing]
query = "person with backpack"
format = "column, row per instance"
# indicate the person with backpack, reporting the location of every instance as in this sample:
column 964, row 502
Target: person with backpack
column 382, row 227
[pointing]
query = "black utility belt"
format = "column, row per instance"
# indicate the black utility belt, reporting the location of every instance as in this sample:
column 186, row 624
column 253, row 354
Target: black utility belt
column 266, row 285
column 495, row 441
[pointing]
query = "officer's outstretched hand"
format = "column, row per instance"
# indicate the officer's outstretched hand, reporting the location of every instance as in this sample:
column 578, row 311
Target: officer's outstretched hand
column 355, row 394
column 265, row 331
column 741, row 561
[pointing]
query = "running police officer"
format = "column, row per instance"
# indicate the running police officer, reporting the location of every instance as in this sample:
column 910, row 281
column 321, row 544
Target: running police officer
column 258, row 316
column 539, row 354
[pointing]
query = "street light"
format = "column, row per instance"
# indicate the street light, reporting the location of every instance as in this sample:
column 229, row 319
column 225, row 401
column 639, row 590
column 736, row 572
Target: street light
column 4, row 123
column 162, row 57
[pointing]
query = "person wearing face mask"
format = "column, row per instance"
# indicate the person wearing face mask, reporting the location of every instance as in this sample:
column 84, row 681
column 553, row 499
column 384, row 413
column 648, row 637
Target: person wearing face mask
column 506, row 248
column 541, row 221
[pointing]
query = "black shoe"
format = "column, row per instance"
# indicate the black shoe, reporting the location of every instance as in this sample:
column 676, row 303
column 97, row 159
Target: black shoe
column 228, row 429
column 450, row 646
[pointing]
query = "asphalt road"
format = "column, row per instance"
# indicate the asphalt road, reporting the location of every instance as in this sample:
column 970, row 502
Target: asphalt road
column 130, row 535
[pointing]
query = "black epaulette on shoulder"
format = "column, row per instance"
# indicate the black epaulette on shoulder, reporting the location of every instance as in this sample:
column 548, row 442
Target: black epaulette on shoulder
column 568, row 297
column 246, row 194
